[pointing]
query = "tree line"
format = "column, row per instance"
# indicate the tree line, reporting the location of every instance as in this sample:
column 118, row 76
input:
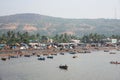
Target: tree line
column 12, row 38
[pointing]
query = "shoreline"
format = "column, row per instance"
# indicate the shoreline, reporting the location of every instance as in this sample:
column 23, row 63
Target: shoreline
column 7, row 53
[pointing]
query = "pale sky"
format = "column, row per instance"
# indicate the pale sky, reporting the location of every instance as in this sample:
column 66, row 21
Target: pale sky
column 63, row 8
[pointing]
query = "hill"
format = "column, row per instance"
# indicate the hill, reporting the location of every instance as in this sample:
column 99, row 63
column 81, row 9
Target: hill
column 46, row 25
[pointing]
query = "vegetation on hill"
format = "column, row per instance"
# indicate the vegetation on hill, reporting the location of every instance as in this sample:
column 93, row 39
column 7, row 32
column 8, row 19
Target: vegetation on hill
column 46, row 25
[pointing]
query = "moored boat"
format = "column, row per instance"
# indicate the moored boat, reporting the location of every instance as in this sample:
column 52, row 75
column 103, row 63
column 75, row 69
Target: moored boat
column 51, row 57
column 115, row 62
column 112, row 52
column 72, row 52
column 63, row 67
column 87, row 51
column 13, row 56
column 38, row 55
column 53, row 54
column 106, row 50
column 62, row 53
column 74, row 57
column 33, row 53
column 3, row 58
column 27, row 55
column 41, row 58
column 45, row 54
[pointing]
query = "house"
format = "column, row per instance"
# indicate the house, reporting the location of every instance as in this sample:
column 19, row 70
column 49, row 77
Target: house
column 74, row 41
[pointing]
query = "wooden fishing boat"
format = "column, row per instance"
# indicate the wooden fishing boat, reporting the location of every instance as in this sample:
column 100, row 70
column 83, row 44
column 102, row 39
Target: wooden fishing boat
column 54, row 54
column 41, row 58
column 45, row 54
column 112, row 52
column 106, row 50
column 27, row 55
column 51, row 57
column 3, row 58
column 72, row 52
column 33, row 53
column 61, row 53
column 74, row 57
column 13, row 56
column 38, row 55
column 63, row 67
column 115, row 62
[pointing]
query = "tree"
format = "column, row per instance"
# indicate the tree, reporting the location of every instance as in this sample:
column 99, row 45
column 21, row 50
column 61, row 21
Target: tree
column 44, row 39
column 85, row 39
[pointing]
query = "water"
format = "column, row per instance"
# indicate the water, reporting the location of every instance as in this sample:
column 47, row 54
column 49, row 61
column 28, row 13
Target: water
column 93, row 66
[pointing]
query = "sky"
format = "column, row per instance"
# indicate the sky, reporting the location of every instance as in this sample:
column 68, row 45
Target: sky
column 108, row 9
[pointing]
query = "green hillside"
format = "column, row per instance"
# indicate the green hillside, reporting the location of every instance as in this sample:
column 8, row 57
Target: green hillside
column 46, row 25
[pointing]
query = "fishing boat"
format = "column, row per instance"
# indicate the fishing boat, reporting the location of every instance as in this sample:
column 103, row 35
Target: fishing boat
column 72, row 52
column 27, row 55
column 74, row 57
column 3, row 58
column 33, row 53
column 13, row 56
column 54, row 54
column 115, row 62
column 65, row 67
column 62, row 53
column 45, row 54
column 41, row 58
column 106, row 50
column 51, row 57
column 112, row 52
column 38, row 55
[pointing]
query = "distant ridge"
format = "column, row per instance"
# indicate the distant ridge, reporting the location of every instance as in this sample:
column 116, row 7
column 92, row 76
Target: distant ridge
column 47, row 25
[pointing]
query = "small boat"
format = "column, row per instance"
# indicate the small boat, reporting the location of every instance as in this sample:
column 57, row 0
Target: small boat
column 27, row 55
column 87, row 51
column 72, row 52
column 106, row 50
column 115, row 62
column 3, row 58
column 54, row 54
column 63, row 67
column 33, row 53
column 112, row 53
column 38, row 55
column 45, row 54
column 50, row 57
column 62, row 53
column 74, row 57
column 41, row 58
column 13, row 56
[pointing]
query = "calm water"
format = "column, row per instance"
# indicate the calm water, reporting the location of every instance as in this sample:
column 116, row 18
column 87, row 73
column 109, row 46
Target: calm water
column 93, row 66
